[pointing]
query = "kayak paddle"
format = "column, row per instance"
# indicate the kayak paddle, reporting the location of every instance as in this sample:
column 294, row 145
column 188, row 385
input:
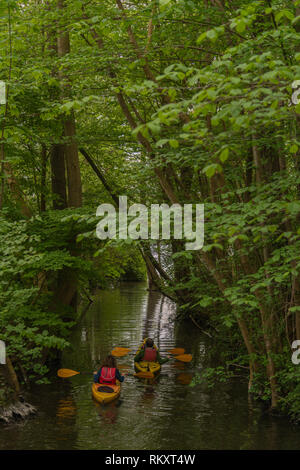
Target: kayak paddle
column 65, row 373
column 184, row 357
column 119, row 348
column 119, row 353
column 177, row 351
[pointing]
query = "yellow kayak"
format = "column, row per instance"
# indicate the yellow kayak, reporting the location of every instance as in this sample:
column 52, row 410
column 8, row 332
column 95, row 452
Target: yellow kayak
column 143, row 366
column 106, row 396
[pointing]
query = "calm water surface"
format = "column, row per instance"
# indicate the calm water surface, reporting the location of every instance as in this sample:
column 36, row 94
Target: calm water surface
column 166, row 414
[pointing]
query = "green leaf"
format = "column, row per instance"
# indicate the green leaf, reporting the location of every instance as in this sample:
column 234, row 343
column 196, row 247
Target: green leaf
column 224, row 155
column 212, row 35
column 293, row 148
column 201, row 38
column 240, row 26
column 164, row 3
column 174, row 143
column 211, row 169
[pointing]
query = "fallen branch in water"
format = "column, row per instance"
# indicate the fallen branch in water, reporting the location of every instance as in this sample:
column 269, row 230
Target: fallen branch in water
column 238, row 365
column 88, row 297
column 83, row 312
column 197, row 325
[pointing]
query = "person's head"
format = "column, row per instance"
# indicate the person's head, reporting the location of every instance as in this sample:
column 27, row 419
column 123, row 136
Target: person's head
column 109, row 361
column 149, row 343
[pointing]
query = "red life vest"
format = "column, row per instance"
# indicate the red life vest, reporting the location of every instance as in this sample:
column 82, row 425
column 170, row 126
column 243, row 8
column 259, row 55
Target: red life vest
column 150, row 355
column 108, row 376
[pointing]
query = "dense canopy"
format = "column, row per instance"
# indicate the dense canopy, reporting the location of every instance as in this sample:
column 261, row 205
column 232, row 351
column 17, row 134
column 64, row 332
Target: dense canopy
column 170, row 101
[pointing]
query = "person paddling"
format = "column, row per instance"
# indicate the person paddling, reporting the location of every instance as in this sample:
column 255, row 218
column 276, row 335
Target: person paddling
column 149, row 353
column 108, row 373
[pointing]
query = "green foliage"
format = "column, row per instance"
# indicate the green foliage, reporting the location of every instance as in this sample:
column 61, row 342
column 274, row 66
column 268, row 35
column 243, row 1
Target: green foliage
column 174, row 100
column 33, row 253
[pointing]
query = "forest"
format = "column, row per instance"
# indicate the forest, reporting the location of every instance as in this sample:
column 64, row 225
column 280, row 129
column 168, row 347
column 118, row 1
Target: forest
column 162, row 101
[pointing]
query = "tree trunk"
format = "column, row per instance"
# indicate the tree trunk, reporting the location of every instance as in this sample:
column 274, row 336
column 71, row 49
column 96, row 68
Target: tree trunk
column 71, row 148
column 58, row 177
column 43, row 178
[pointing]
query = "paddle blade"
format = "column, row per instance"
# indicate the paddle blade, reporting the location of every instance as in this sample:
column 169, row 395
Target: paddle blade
column 65, row 373
column 144, row 375
column 117, row 348
column 177, row 351
column 117, row 353
column 184, row 358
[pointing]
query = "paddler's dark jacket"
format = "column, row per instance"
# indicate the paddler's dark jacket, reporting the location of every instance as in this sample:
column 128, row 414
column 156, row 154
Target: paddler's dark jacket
column 97, row 376
column 139, row 357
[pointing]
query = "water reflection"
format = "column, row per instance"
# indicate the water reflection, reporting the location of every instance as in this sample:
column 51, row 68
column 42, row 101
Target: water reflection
column 184, row 378
column 66, row 409
column 108, row 412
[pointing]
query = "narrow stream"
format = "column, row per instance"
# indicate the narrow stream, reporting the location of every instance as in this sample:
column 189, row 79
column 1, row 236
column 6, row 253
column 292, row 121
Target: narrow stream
column 167, row 414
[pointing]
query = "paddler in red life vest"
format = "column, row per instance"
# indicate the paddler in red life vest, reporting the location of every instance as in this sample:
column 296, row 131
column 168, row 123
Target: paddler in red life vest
column 108, row 373
column 149, row 353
